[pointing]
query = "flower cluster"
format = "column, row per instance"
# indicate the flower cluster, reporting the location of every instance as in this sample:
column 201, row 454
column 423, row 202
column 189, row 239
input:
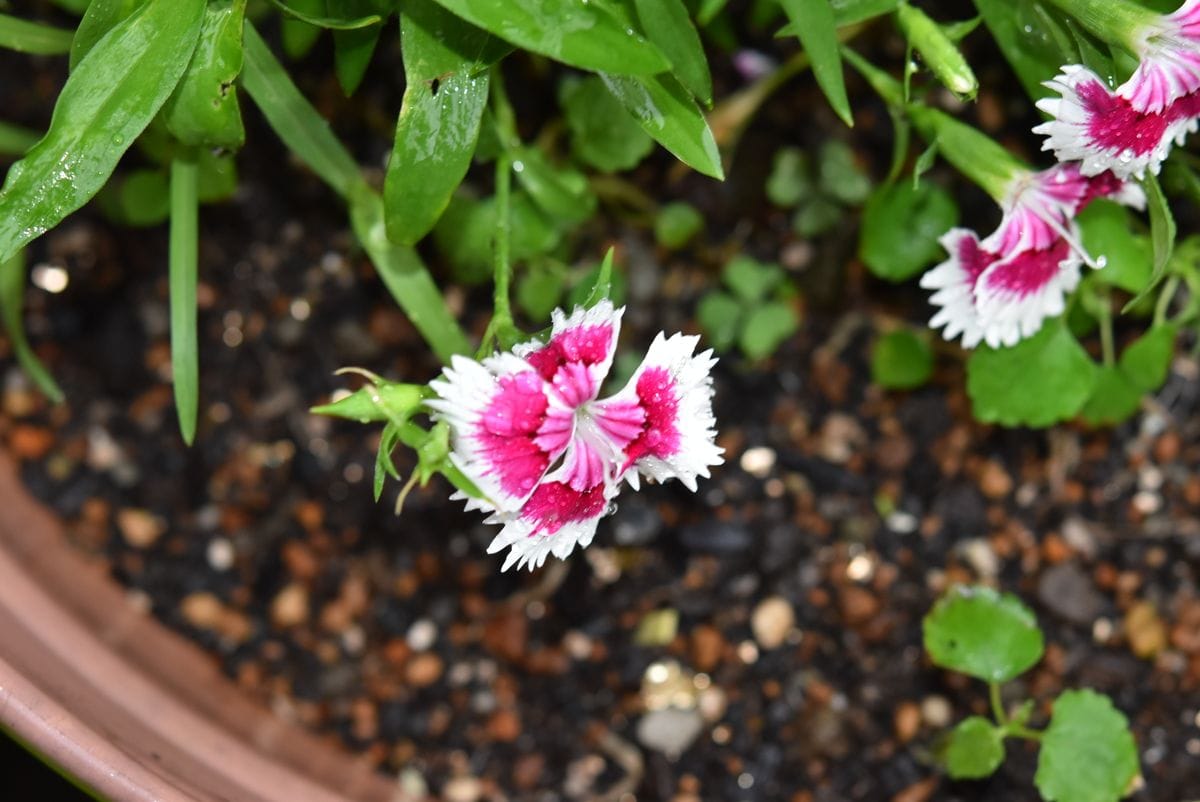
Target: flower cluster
column 1000, row 289
column 1130, row 130
column 548, row 455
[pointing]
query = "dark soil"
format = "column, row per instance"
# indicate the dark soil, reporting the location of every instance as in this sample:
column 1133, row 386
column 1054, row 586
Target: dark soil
column 847, row 508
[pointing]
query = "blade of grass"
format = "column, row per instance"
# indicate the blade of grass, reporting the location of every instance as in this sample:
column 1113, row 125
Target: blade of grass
column 33, row 37
column 12, row 296
column 185, row 361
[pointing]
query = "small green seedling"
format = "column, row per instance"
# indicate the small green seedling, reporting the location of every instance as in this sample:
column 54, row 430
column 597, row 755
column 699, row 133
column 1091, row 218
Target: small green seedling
column 821, row 194
column 1086, row 754
column 901, row 360
column 756, row 313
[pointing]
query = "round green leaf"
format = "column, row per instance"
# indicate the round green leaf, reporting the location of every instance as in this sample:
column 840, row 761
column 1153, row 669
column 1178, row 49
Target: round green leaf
column 1148, row 359
column 719, row 314
column 750, row 279
column 1108, row 233
column 840, row 176
column 767, row 327
column 982, row 633
column 901, row 360
column 1088, row 753
column 789, row 181
column 1037, row 382
column 676, row 224
column 975, row 749
column 901, row 227
column 603, row 135
column 1114, row 398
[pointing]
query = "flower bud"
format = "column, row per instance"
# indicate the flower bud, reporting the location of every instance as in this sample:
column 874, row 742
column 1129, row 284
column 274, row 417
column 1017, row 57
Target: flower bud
column 939, row 51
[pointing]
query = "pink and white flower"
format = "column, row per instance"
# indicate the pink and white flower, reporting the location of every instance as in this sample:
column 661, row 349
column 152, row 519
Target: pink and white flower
column 1000, row 290
column 1130, row 130
column 548, row 455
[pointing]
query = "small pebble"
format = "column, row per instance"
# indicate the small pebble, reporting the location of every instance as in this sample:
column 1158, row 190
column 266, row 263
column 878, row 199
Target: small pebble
column 141, row 529
column 773, row 618
column 220, row 554
column 1145, row 630
column 670, row 730
column 936, row 711
column 422, row 635
column 906, row 721
column 462, row 789
column 202, row 610
column 289, row 608
column 1068, row 591
column 423, row 669
column 994, row 481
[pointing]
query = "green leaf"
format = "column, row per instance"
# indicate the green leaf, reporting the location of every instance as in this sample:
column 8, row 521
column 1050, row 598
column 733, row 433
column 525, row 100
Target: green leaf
column 750, row 279
column 1162, row 234
column 562, row 192
column 217, row 179
column 900, row 360
column 975, row 749
column 982, row 633
column 406, row 277
column 298, row 36
column 667, row 24
column 101, row 17
column 184, row 245
column 15, row 140
column 352, row 49
column 1107, row 233
column 677, row 224
column 766, row 327
column 840, row 176
column 1039, row 381
column 584, row 35
column 293, row 119
column 719, row 314
column 12, row 299
column 813, row 23
column 668, row 113
column 445, row 95
column 539, row 290
column 1032, row 64
column 379, row 401
column 1087, row 752
column 817, row 215
column 102, row 108
column 1148, row 359
column 141, row 198
column 901, row 228
column 603, row 135
column 1114, row 398
column 849, row 12
column 33, row 37
column 597, row 284
column 790, row 180
column 308, row 12
column 203, row 110
column 464, row 234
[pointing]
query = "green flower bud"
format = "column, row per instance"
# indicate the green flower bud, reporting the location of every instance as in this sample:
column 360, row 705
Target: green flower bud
column 938, row 50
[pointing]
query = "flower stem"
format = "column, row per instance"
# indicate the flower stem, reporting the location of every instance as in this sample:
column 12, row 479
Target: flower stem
column 1116, row 21
column 1164, row 300
column 502, row 266
column 998, row 711
column 1104, row 308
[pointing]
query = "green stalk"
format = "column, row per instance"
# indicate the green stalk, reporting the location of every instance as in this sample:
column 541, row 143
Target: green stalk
column 1104, row 308
column 183, row 248
column 308, row 135
column 1119, row 22
column 502, row 325
column 12, row 296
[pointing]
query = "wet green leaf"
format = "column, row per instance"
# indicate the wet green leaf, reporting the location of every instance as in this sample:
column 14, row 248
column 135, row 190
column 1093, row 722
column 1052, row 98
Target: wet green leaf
column 1162, row 234
column 102, row 108
column 766, row 327
column 848, row 12
column 1032, row 63
column 101, row 17
column 975, row 749
column 667, row 25
column 813, row 23
column 561, row 191
column 603, row 134
column 676, row 224
column 203, row 110
column 901, row 360
column 668, row 113
column 600, row 283
column 1039, row 381
column 720, row 315
column 901, row 226
column 298, row 36
column 539, row 290
column 1087, row 752
column 309, row 12
column 33, row 37
column 982, row 633
column 464, row 234
column 584, row 35
column 445, row 94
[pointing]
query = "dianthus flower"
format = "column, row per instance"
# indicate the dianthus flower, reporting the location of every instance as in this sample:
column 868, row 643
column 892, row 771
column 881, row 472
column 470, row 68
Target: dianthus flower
column 1000, row 290
column 548, row 455
column 1130, row 130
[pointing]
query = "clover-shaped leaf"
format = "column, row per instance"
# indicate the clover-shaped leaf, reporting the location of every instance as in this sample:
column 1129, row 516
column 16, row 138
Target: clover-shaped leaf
column 982, row 633
column 975, row 749
column 1088, row 753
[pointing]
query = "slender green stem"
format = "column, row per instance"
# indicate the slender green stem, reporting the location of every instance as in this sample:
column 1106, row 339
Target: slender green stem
column 502, row 319
column 998, row 711
column 1021, row 731
column 1163, row 305
column 1104, row 308
column 12, row 297
column 183, row 247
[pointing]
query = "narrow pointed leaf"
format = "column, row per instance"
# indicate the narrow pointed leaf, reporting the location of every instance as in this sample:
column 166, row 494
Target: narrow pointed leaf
column 12, row 299
column 99, row 113
column 100, row 18
column 353, row 49
column 667, row 24
column 445, row 96
column 33, row 37
column 184, row 246
column 816, row 29
column 584, row 35
column 668, row 113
